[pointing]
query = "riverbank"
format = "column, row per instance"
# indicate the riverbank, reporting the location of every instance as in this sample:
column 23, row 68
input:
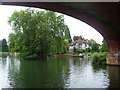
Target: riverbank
column 4, row 53
column 8, row 53
column 96, row 58
column 74, row 54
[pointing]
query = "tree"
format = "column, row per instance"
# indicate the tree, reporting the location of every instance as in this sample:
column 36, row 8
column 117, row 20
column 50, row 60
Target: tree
column 37, row 33
column 104, row 46
column 90, row 42
column 3, row 45
column 75, row 38
column 93, row 45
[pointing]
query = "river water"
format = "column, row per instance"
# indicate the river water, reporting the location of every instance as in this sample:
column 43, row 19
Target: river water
column 56, row 72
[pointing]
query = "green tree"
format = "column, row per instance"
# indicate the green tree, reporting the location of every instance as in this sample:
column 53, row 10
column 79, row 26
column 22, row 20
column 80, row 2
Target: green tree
column 3, row 45
column 93, row 45
column 75, row 38
column 37, row 33
column 104, row 46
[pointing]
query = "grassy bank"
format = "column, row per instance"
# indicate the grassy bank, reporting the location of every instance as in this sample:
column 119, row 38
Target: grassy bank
column 71, row 54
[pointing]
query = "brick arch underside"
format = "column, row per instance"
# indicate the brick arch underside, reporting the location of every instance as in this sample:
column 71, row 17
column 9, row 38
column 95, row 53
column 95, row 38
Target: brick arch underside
column 108, row 30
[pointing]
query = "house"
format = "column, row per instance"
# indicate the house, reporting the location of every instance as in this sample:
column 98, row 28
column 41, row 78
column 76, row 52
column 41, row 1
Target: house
column 80, row 44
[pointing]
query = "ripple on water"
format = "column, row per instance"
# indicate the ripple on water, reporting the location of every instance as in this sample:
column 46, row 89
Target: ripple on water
column 67, row 73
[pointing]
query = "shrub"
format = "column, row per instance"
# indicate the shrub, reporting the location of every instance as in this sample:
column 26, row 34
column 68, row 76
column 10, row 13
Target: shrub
column 99, row 58
column 79, row 50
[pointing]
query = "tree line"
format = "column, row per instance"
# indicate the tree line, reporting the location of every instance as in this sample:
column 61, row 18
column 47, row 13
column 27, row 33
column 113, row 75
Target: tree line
column 93, row 46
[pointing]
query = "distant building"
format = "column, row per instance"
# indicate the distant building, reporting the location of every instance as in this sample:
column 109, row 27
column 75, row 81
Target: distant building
column 71, row 48
column 80, row 43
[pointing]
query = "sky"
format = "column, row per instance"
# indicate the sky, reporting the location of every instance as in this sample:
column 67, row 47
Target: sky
column 75, row 26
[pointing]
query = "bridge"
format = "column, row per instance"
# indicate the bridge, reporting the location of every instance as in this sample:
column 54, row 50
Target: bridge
column 103, row 16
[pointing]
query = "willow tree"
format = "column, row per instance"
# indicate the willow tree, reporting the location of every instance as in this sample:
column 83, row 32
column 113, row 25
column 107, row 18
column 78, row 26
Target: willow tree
column 37, row 33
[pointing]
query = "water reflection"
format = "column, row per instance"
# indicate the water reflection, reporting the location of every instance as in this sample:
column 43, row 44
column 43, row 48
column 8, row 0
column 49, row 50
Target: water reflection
column 56, row 72
column 84, row 75
column 4, row 61
column 39, row 74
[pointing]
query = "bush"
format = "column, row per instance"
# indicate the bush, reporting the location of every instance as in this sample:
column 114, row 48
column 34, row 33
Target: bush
column 88, row 50
column 79, row 50
column 99, row 58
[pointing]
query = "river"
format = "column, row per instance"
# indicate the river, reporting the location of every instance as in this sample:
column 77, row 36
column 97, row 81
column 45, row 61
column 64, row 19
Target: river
column 56, row 72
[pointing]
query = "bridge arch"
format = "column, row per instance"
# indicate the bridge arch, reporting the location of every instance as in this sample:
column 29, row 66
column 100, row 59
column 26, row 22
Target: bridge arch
column 104, row 17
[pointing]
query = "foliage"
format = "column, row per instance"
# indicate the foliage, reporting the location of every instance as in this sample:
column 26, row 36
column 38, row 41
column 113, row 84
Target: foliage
column 78, row 37
column 38, row 33
column 3, row 46
column 93, row 45
column 88, row 50
column 74, row 49
column 104, row 46
column 99, row 58
column 75, row 38
column 79, row 50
